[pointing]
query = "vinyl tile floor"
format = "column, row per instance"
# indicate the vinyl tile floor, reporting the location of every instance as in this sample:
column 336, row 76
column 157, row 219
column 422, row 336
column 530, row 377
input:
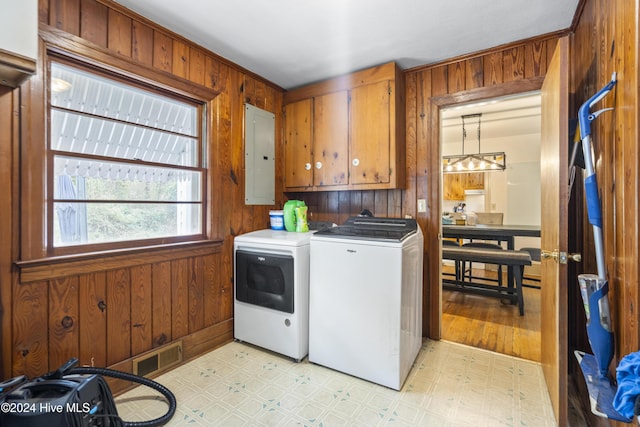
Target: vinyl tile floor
column 450, row 384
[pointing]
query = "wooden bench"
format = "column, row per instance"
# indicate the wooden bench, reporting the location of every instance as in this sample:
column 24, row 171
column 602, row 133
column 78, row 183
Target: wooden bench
column 513, row 260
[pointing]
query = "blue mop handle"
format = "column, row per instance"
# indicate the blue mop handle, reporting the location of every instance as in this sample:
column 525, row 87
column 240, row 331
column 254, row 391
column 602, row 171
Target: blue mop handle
column 594, row 212
column 585, row 117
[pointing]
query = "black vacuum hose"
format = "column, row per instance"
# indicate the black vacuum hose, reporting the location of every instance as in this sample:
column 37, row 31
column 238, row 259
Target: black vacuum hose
column 171, row 399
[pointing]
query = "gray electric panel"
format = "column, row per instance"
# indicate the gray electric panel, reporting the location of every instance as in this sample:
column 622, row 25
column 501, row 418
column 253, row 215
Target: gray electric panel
column 260, row 159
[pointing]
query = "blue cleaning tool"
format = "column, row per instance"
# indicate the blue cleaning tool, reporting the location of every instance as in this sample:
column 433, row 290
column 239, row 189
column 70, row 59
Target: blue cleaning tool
column 585, row 117
column 600, row 336
column 594, row 288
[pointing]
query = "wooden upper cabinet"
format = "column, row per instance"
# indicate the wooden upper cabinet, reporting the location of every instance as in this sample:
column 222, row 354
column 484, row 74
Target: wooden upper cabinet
column 454, row 184
column 474, row 181
column 330, row 139
column 357, row 131
column 298, row 159
column 316, row 141
column 369, row 126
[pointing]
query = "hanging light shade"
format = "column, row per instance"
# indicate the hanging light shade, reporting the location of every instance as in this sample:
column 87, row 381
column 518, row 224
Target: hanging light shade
column 474, row 162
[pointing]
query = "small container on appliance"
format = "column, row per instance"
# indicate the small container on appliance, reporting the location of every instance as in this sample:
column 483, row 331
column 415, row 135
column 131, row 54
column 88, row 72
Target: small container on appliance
column 276, row 219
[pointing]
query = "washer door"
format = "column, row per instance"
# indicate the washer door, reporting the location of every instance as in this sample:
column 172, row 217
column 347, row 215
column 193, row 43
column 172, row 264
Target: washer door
column 265, row 280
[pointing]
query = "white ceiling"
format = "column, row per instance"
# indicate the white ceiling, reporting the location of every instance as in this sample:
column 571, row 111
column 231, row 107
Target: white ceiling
column 503, row 117
column 295, row 42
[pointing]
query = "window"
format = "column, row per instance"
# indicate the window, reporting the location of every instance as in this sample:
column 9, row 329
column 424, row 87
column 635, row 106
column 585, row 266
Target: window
column 125, row 163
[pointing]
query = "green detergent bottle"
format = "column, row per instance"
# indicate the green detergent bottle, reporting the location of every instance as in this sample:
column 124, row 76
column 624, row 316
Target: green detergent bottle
column 290, row 214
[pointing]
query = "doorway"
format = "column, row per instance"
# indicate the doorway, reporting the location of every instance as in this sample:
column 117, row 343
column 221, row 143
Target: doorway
column 509, row 124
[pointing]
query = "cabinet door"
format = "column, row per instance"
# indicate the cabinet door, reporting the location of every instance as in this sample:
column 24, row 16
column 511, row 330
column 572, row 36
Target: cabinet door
column 474, row 181
column 331, row 139
column 370, row 138
column 452, row 186
column 298, row 171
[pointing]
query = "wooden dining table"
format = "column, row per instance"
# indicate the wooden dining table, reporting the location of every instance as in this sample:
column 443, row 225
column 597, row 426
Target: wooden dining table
column 498, row 233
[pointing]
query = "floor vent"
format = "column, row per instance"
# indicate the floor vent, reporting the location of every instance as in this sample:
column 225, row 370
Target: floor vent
column 158, row 360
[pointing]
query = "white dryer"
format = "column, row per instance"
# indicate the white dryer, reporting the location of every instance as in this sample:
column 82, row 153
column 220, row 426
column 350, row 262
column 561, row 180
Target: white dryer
column 271, row 291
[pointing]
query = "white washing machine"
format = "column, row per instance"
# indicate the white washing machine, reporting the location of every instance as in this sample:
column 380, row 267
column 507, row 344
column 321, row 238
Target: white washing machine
column 365, row 313
column 271, row 291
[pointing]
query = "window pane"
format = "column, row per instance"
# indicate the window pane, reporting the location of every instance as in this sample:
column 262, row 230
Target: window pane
column 85, row 179
column 88, row 223
column 78, row 90
column 89, row 135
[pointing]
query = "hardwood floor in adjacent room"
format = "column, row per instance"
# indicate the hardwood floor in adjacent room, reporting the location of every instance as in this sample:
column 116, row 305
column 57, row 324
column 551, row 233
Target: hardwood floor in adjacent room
column 490, row 324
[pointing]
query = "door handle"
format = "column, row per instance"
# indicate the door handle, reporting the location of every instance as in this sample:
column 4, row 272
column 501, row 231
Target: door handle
column 549, row 254
column 574, row 257
column 559, row 256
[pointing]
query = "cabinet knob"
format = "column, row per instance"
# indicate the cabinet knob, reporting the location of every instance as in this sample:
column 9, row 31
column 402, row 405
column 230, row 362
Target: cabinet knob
column 355, row 162
column 318, row 165
column 307, row 166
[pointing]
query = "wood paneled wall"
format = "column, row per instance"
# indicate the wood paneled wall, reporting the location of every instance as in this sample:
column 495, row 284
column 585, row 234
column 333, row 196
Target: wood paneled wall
column 108, row 309
column 44, row 321
column 615, row 48
column 515, row 68
column 106, row 316
column 606, row 40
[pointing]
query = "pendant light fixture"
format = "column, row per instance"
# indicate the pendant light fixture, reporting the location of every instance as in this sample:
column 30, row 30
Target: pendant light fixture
column 476, row 162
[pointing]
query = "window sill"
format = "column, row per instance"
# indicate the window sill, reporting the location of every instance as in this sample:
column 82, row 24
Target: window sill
column 69, row 265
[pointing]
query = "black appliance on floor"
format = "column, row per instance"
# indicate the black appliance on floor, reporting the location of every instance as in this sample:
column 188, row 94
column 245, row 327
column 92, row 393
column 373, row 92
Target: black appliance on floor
column 71, row 396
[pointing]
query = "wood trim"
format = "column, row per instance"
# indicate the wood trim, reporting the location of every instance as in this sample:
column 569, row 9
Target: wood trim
column 388, row 71
column 22, row 63
column 495, row 49
column 504, row 89
column 31, row 163
column 14, row 68
column 71, row 46
column 578, row 15
column 433, row 227
column 9, row 142
column 204, row 340
column 193, row 345
column 57, row 267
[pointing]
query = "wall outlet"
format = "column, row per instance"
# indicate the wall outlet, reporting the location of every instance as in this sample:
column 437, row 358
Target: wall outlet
column 422, row 205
